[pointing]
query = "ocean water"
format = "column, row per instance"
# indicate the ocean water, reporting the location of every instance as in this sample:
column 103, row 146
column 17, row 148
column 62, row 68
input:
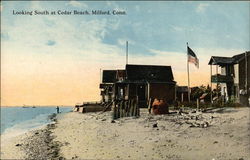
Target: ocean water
column 18, row 120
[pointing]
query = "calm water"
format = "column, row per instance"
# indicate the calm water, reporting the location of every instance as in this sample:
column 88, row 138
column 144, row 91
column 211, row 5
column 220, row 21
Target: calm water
column 17, row 120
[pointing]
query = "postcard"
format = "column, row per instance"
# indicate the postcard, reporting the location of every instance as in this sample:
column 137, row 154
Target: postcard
column 125, row 80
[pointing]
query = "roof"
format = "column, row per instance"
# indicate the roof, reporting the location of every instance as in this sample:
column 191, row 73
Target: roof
column 241, row 56
column 216, row 60
column 182, row 88
column 149, row 73
column 109, row 76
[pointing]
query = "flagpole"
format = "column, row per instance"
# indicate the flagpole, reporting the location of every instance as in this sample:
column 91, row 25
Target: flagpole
column 188, row 75
column 126, row 52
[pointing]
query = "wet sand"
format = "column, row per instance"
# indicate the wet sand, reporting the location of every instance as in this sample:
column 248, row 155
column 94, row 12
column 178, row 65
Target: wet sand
column 220, row 134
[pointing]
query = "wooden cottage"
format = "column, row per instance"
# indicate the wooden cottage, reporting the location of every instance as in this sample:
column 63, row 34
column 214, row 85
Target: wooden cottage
column 146, row 82
column 140, row 82
column 137, row 87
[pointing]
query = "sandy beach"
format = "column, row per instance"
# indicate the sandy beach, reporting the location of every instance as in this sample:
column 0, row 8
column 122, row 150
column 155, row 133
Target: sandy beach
column 219, row 134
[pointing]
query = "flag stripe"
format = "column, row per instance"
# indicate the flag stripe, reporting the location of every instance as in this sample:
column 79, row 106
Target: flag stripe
column 192, row 58
column 191, row 52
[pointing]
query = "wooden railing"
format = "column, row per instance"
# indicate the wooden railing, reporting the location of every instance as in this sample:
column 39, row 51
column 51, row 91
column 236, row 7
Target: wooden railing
column 221, row 78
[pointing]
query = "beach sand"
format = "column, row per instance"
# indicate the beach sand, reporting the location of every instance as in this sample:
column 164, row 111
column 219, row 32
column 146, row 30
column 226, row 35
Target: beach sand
column 9, row 150
column 93, row 136
column 221, row 134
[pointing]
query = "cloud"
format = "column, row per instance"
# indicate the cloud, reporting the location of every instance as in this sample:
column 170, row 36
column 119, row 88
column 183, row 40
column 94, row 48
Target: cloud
column 75, row 3
column 201, row 7
column 177, row 28
column 82, row 45
column 50, row 43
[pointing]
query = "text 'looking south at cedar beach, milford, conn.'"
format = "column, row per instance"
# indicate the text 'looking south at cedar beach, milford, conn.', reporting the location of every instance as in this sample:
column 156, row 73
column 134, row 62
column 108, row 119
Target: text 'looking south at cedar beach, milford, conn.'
column 73, row 12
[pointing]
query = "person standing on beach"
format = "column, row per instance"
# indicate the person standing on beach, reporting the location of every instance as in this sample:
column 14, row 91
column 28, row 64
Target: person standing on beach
column 57, row 109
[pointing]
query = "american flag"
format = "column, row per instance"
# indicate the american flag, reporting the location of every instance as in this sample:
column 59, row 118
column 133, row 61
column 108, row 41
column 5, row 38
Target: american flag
column 192, row 58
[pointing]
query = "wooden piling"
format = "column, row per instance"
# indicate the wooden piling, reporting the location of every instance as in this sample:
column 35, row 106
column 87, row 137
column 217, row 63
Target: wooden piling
column 114, row 110
column 198, row 104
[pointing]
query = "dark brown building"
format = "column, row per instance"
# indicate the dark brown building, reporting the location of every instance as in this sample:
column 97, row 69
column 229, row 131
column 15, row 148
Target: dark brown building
column 141, row 82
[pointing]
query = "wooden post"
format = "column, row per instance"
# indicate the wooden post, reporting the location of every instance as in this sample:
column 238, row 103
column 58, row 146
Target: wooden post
column 126, row 108
column 123, row 108
column 198, row 104
column 217, row 93
column 130, row 107
column 118, row 109
column 126, row 52
column 211, row 83
column 188, row 76
column 137, row 106
column 134, row 108
column 138, row 110
column 114, row 110
column 149, row 105
column 246, row 73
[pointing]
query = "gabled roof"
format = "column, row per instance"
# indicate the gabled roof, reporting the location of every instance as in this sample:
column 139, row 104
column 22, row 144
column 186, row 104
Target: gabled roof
column 149, row 73
column 216, row 60
column 241, row 56
column 109, row 76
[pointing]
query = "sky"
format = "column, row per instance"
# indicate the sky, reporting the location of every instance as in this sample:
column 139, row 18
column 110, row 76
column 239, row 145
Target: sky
column 57, row 59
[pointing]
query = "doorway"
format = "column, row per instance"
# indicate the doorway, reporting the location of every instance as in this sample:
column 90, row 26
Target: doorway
column 141, row 93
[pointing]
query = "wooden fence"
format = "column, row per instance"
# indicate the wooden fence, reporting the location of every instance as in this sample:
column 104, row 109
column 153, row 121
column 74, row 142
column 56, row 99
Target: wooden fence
column 125, row 108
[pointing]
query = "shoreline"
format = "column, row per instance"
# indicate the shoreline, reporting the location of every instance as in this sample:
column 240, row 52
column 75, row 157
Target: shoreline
column 33, row 144
column 41, row 144
column 219, row 134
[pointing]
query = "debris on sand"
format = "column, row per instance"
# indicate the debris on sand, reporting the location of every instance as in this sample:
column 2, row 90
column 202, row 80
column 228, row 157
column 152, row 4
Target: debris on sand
column 155, row 125
column 40, row 145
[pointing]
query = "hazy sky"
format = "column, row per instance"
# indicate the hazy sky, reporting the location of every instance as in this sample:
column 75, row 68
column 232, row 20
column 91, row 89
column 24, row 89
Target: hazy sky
column 56, row 59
